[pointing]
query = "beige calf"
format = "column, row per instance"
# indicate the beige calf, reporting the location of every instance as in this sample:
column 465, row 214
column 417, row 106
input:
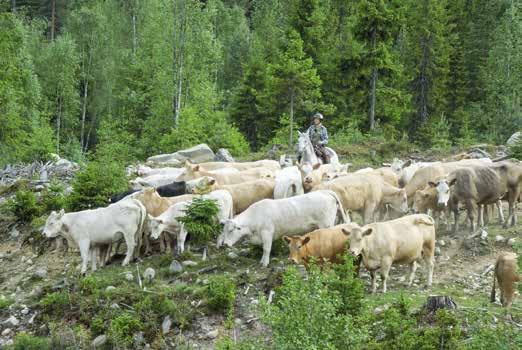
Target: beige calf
column 506, row 273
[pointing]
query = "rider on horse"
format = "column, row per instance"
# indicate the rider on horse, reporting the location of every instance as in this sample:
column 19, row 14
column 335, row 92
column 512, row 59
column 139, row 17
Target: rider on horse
column 319, row 137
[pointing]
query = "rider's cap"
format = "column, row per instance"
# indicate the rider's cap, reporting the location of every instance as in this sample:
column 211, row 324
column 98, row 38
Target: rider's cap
column 318, row 115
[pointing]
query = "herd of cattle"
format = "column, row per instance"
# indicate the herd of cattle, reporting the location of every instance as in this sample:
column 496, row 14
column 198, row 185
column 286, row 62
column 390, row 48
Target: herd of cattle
column 309, row 205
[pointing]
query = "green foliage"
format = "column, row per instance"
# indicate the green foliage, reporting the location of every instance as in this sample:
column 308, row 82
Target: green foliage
column 23, row 205
column 53, row 198
column 200, row 219
column 94, row 184
column 55, row 303
column 349, row 288
column 221, row 293
column 515, row 151
column 122, row 328
column 24, row 341
column 227, row 343
column 5, row 302
column 308, row 313
column 435, row 134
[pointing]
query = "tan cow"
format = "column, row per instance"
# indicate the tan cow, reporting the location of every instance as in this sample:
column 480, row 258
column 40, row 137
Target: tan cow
column 425, row 202
column 265, row 163
column 365, row 193
column 192, row 172
column 248, row 193
column 314, row 175
column 506, row 273
column 326, row 244
column 406, row 240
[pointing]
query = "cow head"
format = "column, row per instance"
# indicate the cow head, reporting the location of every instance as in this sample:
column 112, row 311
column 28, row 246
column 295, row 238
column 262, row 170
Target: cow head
column 357, row 237
column 443, row 187
column 201, row 185
column 232, row 232
column 424, row 199
column 399, row 201
column 53, row 224
column 396, row 165
column 156, row 227
column 297, row 248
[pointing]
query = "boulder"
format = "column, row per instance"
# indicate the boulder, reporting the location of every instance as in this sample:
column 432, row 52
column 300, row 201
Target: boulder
column 11, row 322
column 165, row 325
column 149, row 274
column 99, row 341
column 41, row 272
column 175, row 267
column 223, row 155
column 513, row 139
column 197, row 154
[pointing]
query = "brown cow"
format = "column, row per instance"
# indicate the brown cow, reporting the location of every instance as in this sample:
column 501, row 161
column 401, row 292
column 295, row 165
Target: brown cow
column 511, row 172
column 405, row 240
column 192, row 172
column 248, row 193
column 264, row 163
column 472, row 186
column 506, row 273
column 326, row 244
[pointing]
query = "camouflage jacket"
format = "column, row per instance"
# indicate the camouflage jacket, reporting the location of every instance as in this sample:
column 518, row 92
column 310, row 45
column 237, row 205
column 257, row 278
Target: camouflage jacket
column 318, row 135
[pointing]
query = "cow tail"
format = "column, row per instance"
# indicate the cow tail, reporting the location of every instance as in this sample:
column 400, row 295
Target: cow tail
column 340, row 209
column 493, row 296
column 143, row 217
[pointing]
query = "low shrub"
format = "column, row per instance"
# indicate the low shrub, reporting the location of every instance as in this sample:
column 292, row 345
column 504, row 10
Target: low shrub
column 227, row 343
column 122, row 328
column 5, row 302
column 24, row 341
column 53, row 198
column 221, row 293
column 201, row 220
column 55, row 303
column 95, row 183
column 23, row 205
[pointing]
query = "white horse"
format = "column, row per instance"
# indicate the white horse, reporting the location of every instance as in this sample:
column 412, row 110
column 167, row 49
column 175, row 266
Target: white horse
column 306, row 153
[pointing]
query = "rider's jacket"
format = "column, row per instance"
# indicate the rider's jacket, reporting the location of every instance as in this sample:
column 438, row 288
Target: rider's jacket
column 318, row 134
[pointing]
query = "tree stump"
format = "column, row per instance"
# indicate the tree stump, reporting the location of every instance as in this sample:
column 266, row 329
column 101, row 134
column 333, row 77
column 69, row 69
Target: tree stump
column 436, row 302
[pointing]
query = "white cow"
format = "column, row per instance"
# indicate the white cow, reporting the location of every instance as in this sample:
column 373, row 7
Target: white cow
column 145, row 171
column 288, row 183
column 269, row 219
column 154, row 180
column 102, row 226
column 168, row 221
column 406, row 170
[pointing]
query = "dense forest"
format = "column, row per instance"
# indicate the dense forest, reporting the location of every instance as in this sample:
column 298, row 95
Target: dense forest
column 79, row 77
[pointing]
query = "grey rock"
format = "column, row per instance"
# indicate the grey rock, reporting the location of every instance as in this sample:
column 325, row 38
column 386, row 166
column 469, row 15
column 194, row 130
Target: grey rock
column 441, row 242
column 197, row 154
column 44, row 177
column 175, row 267
column 36, row 292
column 189, row 263
column 39, row 188
column 40, row 272
column 499, row 238
column 511, row 241
column 12, row 322
column 110, row 288
column 223, row 155
column 149, row 274
column 29, row 261
column 114, row 306
column 99, row 341
column 129, row 277
column 24, row 311
column 437, row 251
column 513, row 139
column 14, row 233
column 6, row 332
column 165, row 325
column 139, row 339
column 212, row 334
column 232, row 255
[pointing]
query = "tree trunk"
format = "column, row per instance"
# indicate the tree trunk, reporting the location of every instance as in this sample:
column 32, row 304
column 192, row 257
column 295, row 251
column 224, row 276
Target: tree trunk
column 291, row 118
column 178, row 57
column 373, row 85
column 435, row 303
column 58, row 125
column 178, row 98
column 134, row 39
column 84, row 112
column 53, row 18
column 13, row 6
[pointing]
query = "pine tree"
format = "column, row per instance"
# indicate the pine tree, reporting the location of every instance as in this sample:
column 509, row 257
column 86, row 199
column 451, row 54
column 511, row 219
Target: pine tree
column 294, row 80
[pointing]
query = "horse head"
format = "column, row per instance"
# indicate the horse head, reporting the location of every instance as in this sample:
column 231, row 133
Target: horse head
column 302, row 142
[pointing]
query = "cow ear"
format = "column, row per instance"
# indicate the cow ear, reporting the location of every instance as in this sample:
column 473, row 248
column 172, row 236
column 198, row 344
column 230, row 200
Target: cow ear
column 406, row 163
column 432, row 184
column 288, row 239
column 345, row 231
column 453, row 182
column 212, row 181
column 425, row 195
column 367, row 232
column 188, row 164
column 316, row 166
column 305, row 240
column 61, row 213
column 195, row 167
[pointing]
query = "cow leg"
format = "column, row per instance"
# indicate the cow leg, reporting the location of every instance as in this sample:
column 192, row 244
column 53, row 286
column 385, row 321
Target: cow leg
column 182, row 236
column 482, row 210
column 94, row 257
column 470, row 208
column 374, row 284
column 429, row 262
column 84, row 246
column 456, row 218
column 413, row 268
column 385, row 270
column 498, row 204
column 168, row 243
column 146, row 240
column 129, row 240
column 267, row 247
column 368, row 215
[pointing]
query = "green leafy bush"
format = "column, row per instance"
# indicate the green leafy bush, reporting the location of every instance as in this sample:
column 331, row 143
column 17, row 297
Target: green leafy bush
column 221, row 293
column 55, row 303
column 228, row 343
column 122, row 328
column 348, row 286
column 95, row 183
column 515, row 151
column 23, row 205
column 5, row 302
column 24, row 341
column 201, row 219
column 53, row 198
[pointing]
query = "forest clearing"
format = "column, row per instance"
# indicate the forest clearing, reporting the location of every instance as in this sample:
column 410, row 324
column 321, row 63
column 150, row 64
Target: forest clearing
column 234, row 174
